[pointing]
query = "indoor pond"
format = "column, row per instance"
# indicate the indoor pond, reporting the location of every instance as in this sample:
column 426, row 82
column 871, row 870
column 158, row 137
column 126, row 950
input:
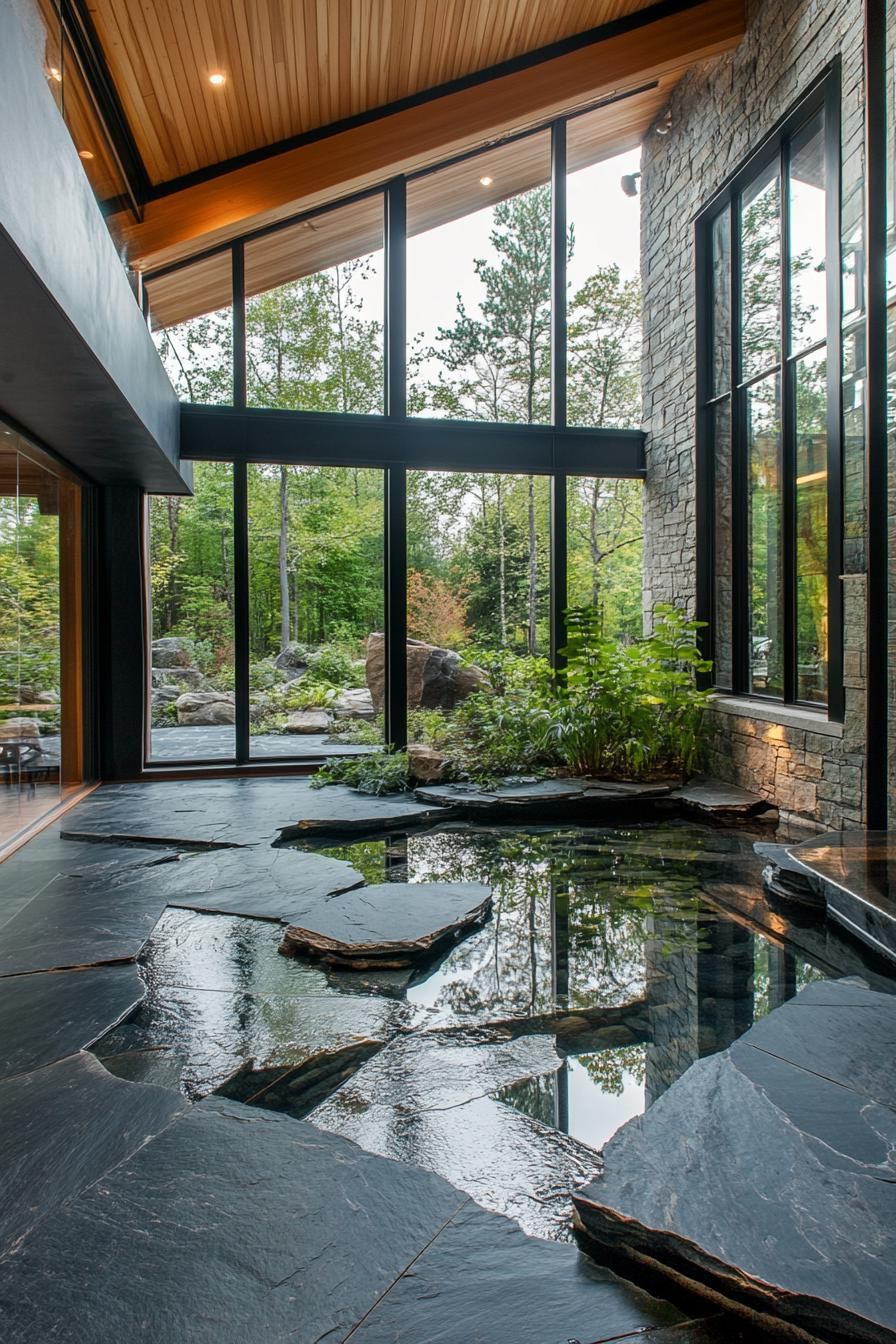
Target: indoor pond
column 613, row 958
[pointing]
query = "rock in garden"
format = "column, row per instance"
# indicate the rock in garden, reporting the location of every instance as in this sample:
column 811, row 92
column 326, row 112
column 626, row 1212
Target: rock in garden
column 355, row 703
column 171, row 652
column 204, row 709
column 425, row 764
column 187, row 678
column 292, row 661
column 437, row 679
column 308, row 721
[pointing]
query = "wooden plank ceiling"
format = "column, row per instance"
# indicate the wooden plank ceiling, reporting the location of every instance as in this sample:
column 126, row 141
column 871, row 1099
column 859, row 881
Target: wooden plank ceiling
column 292, row 66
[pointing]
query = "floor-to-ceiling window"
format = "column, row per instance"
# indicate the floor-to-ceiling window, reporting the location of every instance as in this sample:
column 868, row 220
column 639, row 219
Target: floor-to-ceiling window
column 41, row 747
column 770, row 416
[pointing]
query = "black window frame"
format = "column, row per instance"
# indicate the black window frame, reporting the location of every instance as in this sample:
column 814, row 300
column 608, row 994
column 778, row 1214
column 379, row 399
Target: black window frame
column 395, row 441
column 822, row 99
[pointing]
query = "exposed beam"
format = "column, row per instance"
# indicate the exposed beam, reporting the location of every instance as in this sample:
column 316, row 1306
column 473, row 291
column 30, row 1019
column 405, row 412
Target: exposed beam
column 352, row 160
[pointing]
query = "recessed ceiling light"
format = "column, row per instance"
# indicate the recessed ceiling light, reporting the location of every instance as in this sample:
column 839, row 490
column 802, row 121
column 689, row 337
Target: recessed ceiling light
column 86, row 153
column 56, row 73
column 217, row 80
column 486, row 181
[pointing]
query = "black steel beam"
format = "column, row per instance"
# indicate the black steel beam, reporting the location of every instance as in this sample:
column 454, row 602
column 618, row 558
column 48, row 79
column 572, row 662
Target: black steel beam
column 558, row 274
column 227, row 434
column 241, row 609
column 876, row 455
column 559, row 585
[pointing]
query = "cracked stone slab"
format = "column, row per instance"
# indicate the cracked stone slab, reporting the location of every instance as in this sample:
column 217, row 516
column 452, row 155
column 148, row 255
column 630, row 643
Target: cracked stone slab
column 855, row 872
column 768, row 1172
column 390, row 924
column 46, row 1016
column 483, row 1281
column 714, row 798
column 63, row 1127
column 280, row 885
column 235, row 1223
column 95, row 904
column 430, row 1101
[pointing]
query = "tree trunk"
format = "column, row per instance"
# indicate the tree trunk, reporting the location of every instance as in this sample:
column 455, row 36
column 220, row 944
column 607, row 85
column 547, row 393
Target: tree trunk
column 282, row 560
column 502, row 567
column 533, row 572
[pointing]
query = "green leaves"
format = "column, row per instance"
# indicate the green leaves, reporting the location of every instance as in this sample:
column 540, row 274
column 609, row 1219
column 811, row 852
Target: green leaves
column 379, row 773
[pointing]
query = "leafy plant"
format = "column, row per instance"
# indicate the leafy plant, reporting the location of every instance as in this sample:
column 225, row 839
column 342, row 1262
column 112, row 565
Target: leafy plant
column 378, row 773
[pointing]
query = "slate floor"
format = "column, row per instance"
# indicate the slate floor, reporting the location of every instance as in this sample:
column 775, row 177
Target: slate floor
column 218, row 742
column 200, row 1135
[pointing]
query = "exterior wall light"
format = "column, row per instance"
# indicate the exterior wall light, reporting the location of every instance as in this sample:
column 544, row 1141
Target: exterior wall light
column 629, row 183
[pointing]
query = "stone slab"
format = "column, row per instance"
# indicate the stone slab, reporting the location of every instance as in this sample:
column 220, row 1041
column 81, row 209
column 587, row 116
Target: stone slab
column 47, row 1016
column 855, row 871
column 263, row 882
column 714, row 798
column 339, row 810
column 392, row 923
column 544, row 798
column 100, row 905
column 768, row 1171
column 236, row 1224
column 62, row 1128
column 430, row 1101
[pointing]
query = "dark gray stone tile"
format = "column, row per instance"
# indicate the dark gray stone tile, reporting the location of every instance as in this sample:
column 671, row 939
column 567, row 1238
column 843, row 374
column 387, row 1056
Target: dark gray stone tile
column 429, row 1101
column 855, row 871
column 46, row 1016
column 234, row 1224
column 62, row 1128
column 100, row 905
column 712, row 797
column 769, row 1169
column 392, row 923
column 483, row 1281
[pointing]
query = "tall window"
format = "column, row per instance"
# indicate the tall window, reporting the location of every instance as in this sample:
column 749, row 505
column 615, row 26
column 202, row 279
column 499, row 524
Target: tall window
column 769, row 417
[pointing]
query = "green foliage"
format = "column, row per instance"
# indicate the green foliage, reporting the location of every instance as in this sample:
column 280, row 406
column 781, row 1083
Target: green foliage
column 358, row 732
column 629, row 710
column 378, row 773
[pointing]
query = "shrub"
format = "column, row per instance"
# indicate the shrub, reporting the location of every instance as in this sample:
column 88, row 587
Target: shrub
column 378, row 773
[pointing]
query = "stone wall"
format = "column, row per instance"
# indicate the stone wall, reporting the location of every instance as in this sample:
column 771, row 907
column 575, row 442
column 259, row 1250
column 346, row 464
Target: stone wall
column 719, row 113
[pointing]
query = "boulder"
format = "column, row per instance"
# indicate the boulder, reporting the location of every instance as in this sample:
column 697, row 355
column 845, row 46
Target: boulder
column 164, row 695
column 187, row 678
column 308, row 721
column 355, row 703
column 437, row 679
column 425, row 764
column 171, row 652
column 19, row 730
column 292, row 661
column 204, row 709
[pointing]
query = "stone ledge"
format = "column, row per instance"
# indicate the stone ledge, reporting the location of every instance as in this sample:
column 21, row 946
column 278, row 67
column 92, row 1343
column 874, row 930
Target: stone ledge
column 785, row 716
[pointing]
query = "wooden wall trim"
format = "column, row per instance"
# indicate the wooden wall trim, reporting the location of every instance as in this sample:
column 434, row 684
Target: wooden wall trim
column 364, row 156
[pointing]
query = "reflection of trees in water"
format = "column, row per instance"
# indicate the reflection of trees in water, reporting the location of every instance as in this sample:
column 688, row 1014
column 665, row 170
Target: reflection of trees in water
column 607, row 1068
column 613, row 890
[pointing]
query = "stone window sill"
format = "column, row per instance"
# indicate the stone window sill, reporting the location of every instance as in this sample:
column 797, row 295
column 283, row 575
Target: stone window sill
column 786, row 716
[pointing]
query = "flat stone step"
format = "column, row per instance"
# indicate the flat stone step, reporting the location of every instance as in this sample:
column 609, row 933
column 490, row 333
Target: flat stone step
column 237, row 1224
column 767, row 1173
column 855, row 873
column 548, row 797
column 390, row 924
column 703, row 796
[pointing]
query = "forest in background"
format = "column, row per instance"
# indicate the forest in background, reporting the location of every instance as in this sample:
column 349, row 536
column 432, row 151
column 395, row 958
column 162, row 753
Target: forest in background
column 477, row 543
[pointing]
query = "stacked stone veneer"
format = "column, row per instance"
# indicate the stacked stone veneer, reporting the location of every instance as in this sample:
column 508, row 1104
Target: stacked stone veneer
column 720, row 113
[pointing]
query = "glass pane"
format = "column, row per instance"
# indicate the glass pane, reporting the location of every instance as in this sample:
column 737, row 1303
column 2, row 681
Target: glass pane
column 605, row 552
column 604, row 279
column 760, row 224
column 316, row 575
column 812, row 528
column 723, row 595
column 192, row 711
column 808, row 278
column 720, row 244
column 479, row 287
column 314, row 313
column 191, row 318
column 478, row 594
column 30, row 651
column 889, row 57
column 766, row 550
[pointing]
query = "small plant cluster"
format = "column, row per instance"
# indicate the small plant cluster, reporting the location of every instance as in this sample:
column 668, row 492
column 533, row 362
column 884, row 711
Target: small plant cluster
column 623, row 711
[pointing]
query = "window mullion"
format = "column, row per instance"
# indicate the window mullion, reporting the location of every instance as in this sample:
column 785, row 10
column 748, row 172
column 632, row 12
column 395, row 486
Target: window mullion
column 788, row 439
column 740, row 503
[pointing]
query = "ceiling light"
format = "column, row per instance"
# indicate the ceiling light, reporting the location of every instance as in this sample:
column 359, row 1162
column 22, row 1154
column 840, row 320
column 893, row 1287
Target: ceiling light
column 85, row 153
column 486, row 181
column 217, row 80
column 56, row 73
